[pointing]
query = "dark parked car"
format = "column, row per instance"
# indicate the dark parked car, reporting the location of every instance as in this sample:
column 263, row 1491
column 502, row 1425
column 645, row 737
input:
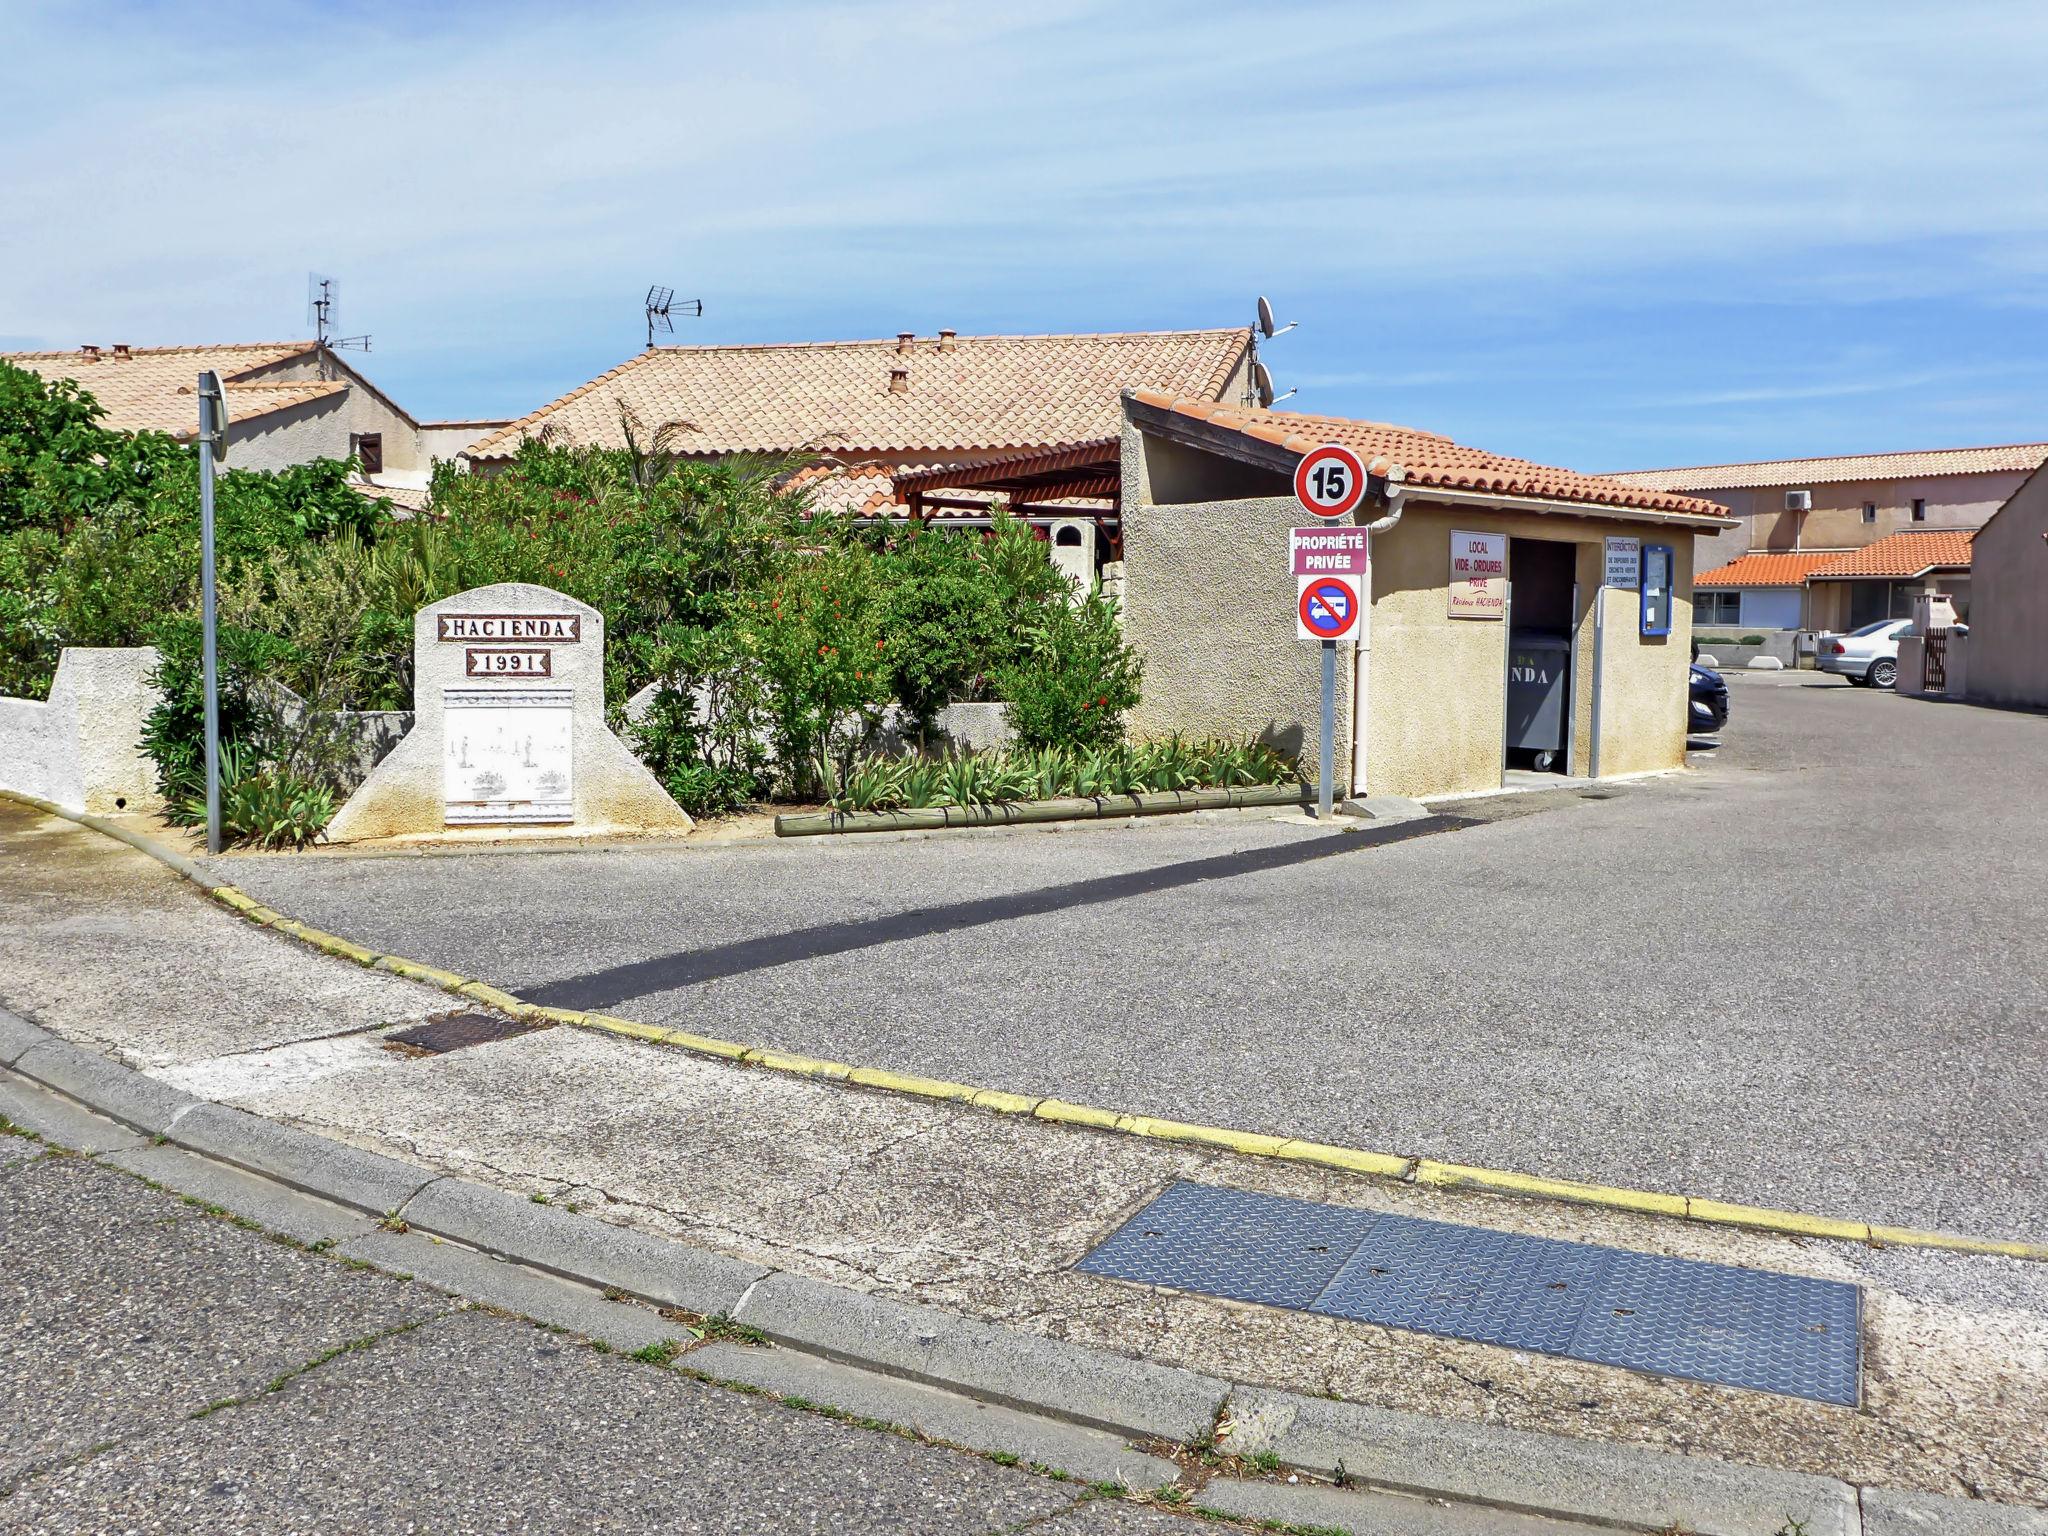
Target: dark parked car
column 1706, row 709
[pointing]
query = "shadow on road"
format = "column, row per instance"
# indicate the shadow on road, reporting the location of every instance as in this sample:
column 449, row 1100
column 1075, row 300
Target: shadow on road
column 664, row 973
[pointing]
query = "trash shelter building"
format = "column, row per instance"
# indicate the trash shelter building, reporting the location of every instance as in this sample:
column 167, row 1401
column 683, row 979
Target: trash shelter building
column 1568, row 612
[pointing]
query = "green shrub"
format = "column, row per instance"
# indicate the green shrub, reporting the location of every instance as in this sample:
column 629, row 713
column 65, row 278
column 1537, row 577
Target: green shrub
column 266, row 807
column 705, row 789
column 919, row 782
column 1076, row 678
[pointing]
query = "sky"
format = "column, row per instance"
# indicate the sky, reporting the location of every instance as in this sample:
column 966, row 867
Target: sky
column 1606, row 236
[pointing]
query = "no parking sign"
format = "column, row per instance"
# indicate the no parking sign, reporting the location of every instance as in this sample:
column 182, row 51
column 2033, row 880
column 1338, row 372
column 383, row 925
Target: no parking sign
column 1326, row 608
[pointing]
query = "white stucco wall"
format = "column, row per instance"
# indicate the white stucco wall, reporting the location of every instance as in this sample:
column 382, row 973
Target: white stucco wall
column 82, row 747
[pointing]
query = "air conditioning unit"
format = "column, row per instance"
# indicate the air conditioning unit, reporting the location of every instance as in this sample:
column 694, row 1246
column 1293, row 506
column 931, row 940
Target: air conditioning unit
column 1799, row 501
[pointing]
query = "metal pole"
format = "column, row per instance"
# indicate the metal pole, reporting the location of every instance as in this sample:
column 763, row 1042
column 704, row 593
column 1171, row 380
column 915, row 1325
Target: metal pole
column 211, row 661
column 1507, row 667
column 1571, row 692
column 1324, row 779
column 1599, row 655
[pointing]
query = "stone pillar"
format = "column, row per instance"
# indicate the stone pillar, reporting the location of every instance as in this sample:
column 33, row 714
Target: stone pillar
column 509, row 727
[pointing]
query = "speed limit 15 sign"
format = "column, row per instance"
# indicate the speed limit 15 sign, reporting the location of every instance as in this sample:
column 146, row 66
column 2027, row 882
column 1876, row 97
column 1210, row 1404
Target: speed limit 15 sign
column 1330, row 480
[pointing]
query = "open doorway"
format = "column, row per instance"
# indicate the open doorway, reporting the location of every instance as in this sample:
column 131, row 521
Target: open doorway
column 1542, row 622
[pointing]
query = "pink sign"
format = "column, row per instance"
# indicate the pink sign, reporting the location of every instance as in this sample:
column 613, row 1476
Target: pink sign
column 1328, row 551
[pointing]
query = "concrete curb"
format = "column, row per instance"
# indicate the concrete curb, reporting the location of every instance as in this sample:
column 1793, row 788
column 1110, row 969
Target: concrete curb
column 1406, row 1168
column 1598, row 1483
column 1639, row 1488
column 998, row 1365
column 1017, row 813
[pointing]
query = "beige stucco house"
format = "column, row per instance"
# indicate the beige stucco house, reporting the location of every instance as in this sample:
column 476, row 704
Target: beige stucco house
column 2008, row 640
column 1210, row 602
column 289, row 402
column 925, row 426
column 1787, row 564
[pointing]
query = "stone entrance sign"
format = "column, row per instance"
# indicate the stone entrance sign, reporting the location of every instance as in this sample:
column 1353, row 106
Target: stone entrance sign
column 508, row 693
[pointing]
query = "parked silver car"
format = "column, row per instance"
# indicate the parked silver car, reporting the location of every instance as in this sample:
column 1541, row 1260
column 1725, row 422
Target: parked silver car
column 1866, row 656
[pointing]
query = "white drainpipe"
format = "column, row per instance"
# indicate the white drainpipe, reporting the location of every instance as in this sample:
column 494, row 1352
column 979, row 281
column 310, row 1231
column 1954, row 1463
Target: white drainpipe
column 1361, row 660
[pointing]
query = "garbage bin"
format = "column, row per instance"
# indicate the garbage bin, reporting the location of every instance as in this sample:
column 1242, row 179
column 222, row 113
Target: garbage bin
column 1538, row 664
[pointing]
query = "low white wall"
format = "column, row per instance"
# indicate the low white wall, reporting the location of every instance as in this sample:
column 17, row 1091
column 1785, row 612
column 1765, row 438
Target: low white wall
column 82, row 748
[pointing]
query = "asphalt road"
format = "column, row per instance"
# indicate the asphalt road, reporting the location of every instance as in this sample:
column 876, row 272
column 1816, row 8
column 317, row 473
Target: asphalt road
column 1809, row 974
column 165, row 1370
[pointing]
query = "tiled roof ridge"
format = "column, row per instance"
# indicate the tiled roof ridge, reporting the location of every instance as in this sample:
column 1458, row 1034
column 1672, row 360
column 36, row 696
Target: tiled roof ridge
column 1831, row 458
column 107, row 349
column 892, row 342
column 1431, row 459
column 506, row 433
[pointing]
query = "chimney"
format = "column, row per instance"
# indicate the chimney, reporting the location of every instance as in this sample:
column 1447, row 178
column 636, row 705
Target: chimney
column 899, row 381
column 946, row 340
column 122, row 351
column 904, row 339
column 91, row 353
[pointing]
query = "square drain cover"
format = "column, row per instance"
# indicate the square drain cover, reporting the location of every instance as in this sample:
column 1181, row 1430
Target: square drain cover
column 452, row 1031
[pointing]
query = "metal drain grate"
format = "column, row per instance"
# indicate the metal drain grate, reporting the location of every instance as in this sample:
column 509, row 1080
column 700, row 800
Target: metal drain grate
column 452, row 1031
column 1675, row 1317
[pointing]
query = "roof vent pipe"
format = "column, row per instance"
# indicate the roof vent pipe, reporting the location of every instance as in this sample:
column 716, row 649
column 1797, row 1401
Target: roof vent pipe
column 122, row 350
column 904, row 339
column 899, row 381
column 946, row 340
column 92, row 353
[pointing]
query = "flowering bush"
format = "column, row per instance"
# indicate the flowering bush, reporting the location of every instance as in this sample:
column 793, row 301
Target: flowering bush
column 1076, row 678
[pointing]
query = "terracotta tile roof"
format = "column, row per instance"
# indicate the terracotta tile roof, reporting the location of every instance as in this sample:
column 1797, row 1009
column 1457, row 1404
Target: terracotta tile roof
column 2008, row 458
column 965, row 394
column 1769, row 570
column 403, row 498
column 857, row 490
column 151, row 388
column 1071, row 472
column 1912, row 552
column 1432, row 461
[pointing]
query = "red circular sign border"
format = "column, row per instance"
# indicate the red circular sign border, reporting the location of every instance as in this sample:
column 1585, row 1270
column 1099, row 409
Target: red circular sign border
column 1310, row 590
column 1315, row 456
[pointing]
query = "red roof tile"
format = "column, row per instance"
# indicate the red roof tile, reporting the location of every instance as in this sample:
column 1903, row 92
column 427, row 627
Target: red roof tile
column 2003, row 458
column 1432, row 461
column 960, row 394
column 152, row 388
column 1769, row 570
column 1913, row 552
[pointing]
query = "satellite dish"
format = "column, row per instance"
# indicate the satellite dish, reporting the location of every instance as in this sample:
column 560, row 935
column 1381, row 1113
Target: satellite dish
column 1262, row 381
column 1265, row 318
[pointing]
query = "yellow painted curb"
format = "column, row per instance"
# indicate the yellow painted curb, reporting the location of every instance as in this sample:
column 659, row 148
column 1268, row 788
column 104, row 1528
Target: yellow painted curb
column 629, row 1027
column 1004, row 1103
column 909, row 1082
column 332, row 944
column 1910, row 1237
column 1496, row 1181
column 492, row 997
column 1381, row 1165
column 412, row 970
column 1724, row 1214
column 1060, row 1112
column 1424, row 1171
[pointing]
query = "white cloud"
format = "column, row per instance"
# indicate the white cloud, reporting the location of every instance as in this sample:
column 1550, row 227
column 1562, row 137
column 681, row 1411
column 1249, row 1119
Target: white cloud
column 496, row 185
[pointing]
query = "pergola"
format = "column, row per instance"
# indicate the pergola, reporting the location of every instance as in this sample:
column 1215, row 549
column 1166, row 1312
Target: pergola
column 1072, row 480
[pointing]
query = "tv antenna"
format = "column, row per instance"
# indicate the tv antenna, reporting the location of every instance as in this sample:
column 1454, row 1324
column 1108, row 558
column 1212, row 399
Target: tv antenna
column 323, row 302
column 1258, row 384
column 661, row 302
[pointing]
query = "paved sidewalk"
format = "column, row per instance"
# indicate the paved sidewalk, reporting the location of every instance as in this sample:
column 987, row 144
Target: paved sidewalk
column 985, row 1214
column 1809, row 975
column 165, row 1370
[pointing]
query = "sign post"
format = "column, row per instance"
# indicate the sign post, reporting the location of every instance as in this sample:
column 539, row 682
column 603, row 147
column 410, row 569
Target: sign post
column 1330, row 566
column 213, row 447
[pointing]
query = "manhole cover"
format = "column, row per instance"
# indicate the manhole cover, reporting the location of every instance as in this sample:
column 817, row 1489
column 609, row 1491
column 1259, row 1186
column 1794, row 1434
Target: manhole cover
column 452, row 1031
column 1675, row 1317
